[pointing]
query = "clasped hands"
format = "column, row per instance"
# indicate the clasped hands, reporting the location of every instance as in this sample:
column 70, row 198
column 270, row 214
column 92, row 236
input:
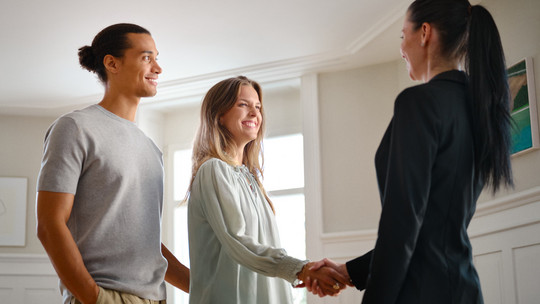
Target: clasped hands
column 324, row 277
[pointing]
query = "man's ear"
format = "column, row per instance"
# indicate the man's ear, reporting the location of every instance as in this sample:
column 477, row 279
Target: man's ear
column 111, row 63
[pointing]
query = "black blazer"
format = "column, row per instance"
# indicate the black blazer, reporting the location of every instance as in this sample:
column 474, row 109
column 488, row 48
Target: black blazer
column 428, row 193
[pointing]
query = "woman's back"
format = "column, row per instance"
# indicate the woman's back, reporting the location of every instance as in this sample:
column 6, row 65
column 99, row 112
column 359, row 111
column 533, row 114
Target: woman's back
column 429, row 195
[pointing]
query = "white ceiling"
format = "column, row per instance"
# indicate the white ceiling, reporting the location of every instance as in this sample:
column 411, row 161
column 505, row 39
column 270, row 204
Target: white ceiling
column 200, row 43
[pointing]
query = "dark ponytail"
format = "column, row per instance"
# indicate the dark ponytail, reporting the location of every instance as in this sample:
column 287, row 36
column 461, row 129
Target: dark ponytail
column 110, row 41
column 486, row 67
column 469, row 32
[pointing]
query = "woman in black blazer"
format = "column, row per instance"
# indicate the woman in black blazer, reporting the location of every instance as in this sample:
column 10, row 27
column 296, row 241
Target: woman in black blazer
column 447, row 139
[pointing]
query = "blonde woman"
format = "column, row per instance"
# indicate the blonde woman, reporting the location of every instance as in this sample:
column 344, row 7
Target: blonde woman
column 234, row 245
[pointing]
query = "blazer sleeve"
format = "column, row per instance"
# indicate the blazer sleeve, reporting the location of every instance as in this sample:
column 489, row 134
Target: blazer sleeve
column 219, row 202
column 412, row 152
column 358, row 270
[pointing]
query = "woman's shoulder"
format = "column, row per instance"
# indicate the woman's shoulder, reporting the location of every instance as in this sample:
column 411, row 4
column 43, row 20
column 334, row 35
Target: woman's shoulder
column 439, row 87
column 214, row 163
column 215, row 166
column 419, row 102
column 214, row 172
column 210, row 165
column 415, row 96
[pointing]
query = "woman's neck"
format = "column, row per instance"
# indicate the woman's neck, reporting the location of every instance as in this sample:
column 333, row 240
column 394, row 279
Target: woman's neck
column 435, row 67
column 237, row 155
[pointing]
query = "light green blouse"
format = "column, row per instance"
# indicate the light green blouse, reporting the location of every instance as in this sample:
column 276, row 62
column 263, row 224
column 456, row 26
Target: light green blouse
column 234, row 247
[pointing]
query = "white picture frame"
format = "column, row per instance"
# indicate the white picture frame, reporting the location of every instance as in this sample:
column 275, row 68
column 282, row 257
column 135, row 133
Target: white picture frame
column 13, row 211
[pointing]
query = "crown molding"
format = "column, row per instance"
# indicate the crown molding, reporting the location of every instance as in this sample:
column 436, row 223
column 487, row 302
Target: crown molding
column 191, row 89
column 379, row 27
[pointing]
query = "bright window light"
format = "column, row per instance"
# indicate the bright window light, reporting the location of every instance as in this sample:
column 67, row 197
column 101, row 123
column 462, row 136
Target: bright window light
column 283, row 162
column 182, row 173
column 181, row 247
column 182, row 177
column 290, row 210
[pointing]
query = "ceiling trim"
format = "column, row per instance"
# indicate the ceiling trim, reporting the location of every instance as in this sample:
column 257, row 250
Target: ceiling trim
column 191, row 89
column 194, row 87
column 379, row 27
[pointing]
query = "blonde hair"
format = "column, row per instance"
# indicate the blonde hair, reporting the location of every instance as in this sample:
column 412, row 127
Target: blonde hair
column 213, row 140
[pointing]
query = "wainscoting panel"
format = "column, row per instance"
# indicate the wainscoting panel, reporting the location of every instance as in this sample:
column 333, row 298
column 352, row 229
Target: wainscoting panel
column 527, row 273
column 28, row 279
column 490, row 269
column 34, row 295
column 505, row 235
column 6, row 293
column 342, row 247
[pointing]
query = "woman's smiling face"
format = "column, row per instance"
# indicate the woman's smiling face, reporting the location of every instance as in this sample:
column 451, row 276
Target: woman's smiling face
column 244, row 119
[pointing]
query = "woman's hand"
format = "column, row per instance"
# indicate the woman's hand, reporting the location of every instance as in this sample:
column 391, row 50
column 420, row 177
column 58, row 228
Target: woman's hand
column 324, row 278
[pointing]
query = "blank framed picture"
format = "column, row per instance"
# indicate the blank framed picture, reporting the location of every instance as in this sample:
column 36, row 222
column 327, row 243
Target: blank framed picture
column 13, row 211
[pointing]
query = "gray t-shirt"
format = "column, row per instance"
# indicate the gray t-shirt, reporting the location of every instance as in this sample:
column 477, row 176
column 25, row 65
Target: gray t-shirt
column 116, row 174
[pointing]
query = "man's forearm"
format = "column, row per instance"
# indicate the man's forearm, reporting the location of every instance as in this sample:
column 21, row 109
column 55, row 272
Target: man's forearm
column 68, row 263
column 177, row 274
column 52, row 212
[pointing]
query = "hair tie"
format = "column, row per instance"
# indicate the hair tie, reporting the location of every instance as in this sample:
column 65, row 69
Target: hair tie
column 91, row 48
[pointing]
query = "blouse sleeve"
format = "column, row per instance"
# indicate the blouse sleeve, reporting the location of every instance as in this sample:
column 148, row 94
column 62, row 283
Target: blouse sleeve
column 220, row 203
column 412, row 152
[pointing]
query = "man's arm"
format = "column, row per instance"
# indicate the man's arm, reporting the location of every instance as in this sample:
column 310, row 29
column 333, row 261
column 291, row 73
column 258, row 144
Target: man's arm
column 52, row 212
column 177, row 274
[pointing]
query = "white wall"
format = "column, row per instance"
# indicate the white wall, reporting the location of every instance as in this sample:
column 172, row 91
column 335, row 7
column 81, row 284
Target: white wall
column 152, row 124
column 355, row 108
column 181, row 126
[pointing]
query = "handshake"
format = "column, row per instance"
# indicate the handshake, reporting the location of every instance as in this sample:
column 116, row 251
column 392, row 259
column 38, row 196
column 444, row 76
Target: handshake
column 324, row 277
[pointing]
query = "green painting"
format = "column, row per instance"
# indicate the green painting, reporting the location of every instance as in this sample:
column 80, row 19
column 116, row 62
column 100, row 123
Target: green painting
column 525, row 129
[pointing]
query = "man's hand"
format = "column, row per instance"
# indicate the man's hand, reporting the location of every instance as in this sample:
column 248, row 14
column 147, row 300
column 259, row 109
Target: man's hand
column 313, row 285
column 323, row 279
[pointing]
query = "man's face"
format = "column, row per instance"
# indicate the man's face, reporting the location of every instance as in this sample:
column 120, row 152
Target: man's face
column 138, row 70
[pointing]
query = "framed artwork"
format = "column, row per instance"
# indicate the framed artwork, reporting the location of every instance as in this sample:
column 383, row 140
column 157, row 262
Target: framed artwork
column 523, row 107
column 13, row 211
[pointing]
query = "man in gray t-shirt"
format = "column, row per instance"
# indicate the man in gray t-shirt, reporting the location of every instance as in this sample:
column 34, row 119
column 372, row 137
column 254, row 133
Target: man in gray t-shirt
column 100, row 186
